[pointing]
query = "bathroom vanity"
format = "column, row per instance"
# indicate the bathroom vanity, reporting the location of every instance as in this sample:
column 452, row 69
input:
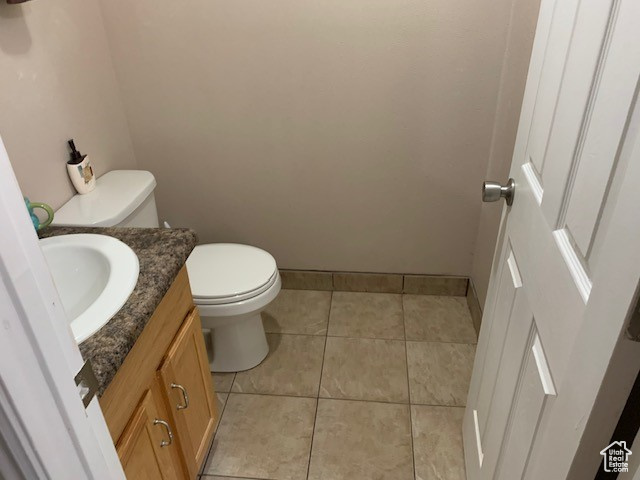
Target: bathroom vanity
column 150, row 360
column 160, row 406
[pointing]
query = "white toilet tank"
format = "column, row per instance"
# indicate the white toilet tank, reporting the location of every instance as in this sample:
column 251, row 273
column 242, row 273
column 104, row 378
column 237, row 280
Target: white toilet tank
column 122, row 198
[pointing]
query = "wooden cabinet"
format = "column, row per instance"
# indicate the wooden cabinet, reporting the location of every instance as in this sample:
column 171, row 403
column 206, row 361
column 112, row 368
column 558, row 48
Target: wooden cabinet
column 144, row 448
column 187, row 387
column 164, row 385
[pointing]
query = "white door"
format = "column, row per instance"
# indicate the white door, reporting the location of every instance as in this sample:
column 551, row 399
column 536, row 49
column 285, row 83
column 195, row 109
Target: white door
column 45, row 431
column 568, row 262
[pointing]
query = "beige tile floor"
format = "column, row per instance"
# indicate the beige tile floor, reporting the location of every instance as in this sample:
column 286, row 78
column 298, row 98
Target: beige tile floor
column 357, row 386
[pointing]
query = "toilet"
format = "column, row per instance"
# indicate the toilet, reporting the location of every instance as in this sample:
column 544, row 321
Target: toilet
column 231, row 283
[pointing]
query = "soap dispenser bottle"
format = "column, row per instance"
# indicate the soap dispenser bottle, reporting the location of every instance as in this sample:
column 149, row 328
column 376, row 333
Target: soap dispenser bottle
column 80, row 171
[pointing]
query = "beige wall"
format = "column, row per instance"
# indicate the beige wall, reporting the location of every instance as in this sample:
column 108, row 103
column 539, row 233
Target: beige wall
column 337, row 135
column 514, row 72
column 57, row 82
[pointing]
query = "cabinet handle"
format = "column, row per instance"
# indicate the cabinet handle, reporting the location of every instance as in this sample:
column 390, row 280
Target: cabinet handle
column 184, row 395
column 165, row 443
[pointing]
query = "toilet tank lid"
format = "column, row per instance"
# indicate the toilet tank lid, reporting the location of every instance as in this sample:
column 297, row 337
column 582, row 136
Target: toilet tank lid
column 117, row 194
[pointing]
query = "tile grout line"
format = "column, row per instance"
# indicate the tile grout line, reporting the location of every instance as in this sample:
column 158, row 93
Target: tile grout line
column 401, row 291
column 315, row 417
column 227, row 476
column 406, row 356
column 431, row 292
column 370, row 338
column 385, row 402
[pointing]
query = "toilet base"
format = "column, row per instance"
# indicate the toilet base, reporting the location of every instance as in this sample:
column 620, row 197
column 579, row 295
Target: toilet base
column 237, row 345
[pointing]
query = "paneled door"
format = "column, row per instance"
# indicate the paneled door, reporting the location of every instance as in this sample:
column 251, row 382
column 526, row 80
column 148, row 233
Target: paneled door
column 189, row 392
column 145, row 445
column 566, row 270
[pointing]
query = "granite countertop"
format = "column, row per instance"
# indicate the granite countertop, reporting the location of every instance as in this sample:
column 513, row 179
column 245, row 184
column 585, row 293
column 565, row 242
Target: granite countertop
column 161, row 253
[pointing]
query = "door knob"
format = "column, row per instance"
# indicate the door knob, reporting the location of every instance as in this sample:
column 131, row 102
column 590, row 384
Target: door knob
column 493, row 191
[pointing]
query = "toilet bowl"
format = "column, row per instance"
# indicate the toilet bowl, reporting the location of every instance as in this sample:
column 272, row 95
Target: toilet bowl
column 231, row 283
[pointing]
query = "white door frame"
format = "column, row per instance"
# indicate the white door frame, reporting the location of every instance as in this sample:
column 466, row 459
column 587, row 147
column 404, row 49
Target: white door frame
column 45, row 431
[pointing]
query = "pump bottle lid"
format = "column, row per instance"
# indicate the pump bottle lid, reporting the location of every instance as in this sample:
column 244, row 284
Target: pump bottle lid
column 76, row 156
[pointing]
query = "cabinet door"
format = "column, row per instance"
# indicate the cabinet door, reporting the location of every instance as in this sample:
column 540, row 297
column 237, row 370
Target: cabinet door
column 189, row 392
column 144, row 447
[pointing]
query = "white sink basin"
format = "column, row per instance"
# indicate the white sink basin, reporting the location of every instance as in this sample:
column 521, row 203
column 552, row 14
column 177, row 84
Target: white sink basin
column 94, row 276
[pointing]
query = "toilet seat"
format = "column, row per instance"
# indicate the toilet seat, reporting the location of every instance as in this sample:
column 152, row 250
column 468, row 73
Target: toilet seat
column 236, row 298
column 226, row 273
